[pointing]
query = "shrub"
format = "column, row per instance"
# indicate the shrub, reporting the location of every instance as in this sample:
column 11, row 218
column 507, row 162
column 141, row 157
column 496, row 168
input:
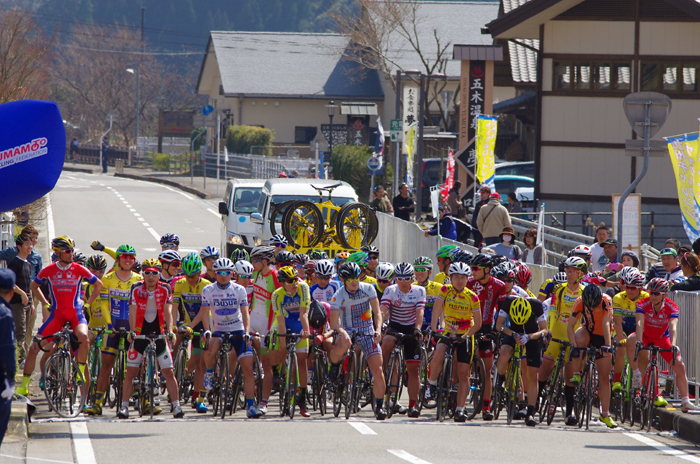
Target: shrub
column 240, row 139
column 349, row 163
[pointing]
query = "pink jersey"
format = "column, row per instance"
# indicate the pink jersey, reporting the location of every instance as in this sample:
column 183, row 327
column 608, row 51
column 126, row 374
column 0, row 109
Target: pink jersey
column 490, row 295
column 64, row 286
column 656, row 324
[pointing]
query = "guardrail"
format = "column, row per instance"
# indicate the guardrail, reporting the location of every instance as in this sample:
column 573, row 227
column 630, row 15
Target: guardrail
column 254, row 166
column 688, row 339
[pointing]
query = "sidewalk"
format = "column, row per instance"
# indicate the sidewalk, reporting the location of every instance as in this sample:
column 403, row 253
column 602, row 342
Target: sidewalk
column 184, row 182
column 687, row 425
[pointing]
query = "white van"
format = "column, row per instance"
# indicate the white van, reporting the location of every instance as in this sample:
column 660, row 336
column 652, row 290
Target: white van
column 241, row 199
column 277, row 191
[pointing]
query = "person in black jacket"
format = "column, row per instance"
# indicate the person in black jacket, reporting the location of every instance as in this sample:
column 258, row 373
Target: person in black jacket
column 403, row 204
column 8, row 364
column 690, row 265
column 485, row 192
column 448, row 228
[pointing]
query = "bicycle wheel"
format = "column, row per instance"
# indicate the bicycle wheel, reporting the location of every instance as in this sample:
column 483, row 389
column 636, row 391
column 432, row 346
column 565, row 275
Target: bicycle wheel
column 650, row 397
column 590, row 394
column 422, row 379
column 349, row 384
column 338, row 390
column 554, row 394
column 444, row 387
column 119, row 373
column 95, row 363
column 277, row 216
column 236, row 390
column 292, row 384
column 392, row 381
column 512, row 384
column 625, row 394
column 216, row 387
column 320, row 391
column 180, row 371
column 477, row 379
column 258, row 376
column 634, row 405
column 153, row 383
column 224, row 387
column 141, row 389
column 303, row 224
column 355, row 225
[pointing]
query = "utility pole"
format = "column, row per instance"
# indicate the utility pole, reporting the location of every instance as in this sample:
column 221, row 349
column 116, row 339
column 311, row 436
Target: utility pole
column 143, row 17
column 397, row 146
column 418, row 178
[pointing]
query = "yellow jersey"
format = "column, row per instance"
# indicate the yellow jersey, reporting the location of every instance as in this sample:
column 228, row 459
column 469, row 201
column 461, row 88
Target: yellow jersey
column 432, row 292
column 189, row 298
column 458, row 309
column 562, row 305
column 93, row 312
column 115, row 296
column 625, row 307
column 368, row 280
column 442, row 278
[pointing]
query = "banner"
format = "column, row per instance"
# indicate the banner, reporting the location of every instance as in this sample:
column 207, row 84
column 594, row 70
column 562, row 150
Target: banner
column 379, row 145
column 684, row 158
column 486, row 129
column 410, row 144
column 450, row 178
column 410, row 111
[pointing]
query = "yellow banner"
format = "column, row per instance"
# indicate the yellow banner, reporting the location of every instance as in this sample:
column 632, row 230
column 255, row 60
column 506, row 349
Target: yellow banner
column 486, row 129
column 684, row 158
column 410, row 144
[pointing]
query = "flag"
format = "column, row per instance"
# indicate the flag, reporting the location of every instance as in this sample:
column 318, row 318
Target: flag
column 486, row 129
column 684, row 158
column 379, row 145
column 410, row 144
column 226, row 154
column 450, row 177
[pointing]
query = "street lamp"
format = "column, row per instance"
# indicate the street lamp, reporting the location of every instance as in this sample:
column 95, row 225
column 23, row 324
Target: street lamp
column 331, row 112
column 135, row 70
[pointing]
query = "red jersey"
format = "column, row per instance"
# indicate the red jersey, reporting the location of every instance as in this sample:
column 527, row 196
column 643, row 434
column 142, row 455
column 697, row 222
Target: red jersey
column 139, row 297
column 656, row 324
column 490, row 295
column 64, row 286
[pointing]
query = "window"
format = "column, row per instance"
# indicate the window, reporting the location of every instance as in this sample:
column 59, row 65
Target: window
column 670, row 77
column 246, row 199
column 669, row 81
column 586, row 76
column 650, row 76
column 562, row 76
column 690, row 74
column 582, row 76
column 304, row 134
column 622, row 76
column 601, row 76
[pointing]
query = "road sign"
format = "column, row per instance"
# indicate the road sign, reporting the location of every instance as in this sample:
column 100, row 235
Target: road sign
column 396, row 130
column 207, row 110
column 631, row 226
column 374, row 163
column 199, row 120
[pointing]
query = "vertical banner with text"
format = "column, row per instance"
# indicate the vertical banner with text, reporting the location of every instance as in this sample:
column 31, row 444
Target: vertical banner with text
column 473, row 85
column 487, row 128
column 684, row 158
column 450, row 178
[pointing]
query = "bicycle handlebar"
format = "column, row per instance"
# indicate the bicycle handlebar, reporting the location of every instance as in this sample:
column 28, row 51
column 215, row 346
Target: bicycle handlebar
column 327, row 188
column 655, row 350
column 455, row 340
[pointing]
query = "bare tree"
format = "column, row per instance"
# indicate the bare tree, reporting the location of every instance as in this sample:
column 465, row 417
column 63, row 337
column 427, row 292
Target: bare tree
column 24, row 56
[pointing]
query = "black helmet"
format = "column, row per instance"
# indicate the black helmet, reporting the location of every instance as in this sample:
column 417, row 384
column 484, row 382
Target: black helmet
column 284, row 257
column 318, row 255
column 482, row 260
column 591, row 296
column 498, row 259
column 79, row 258
column 349, row 270
column 97, row 263
column 317, row 315
column 463, row 256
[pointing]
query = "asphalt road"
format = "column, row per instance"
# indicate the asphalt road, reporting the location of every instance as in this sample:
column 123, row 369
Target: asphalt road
column 89, row 207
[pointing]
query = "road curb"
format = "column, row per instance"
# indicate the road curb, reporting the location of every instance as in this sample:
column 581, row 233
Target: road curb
column 686, row 425
column 171, row 183
column 19, row 421
column 85, row 170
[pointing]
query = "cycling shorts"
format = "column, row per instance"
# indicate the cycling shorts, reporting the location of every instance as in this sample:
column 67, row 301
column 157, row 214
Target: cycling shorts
column 238, row 345
column 552, row 352
column 56, row 321
column 664, row 343
column 112, row 342
column 532, row 350
column 138, row 347
column 367, row 345
column 411, row 350
column 597, row 341
column 464, row 351
column 485, row 346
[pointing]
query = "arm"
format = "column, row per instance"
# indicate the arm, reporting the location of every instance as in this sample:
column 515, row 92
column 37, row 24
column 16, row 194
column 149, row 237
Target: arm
column 377, row 316
column 245, row 315
column 607, row 323
column 20, row 292
column 500, row 323
column 132, row 316
column 169, row 321
column 385, row 311
column 672, row 333
column 282, row 329
column 476, row 327
column 304, row 319
column 438, row 310
column 419, row 317
column 573, row 320
column 335, row 321
column 39, row 294
column 205, row 317
column 639, row 334
column 97, row 288
column 617, row 321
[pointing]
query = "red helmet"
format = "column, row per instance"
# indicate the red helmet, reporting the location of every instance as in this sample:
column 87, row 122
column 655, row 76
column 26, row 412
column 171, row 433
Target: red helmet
column 523, row 276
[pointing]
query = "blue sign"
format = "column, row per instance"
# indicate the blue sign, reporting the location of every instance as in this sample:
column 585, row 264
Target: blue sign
column 32, row 151
column 374, row 163
column 207, row 110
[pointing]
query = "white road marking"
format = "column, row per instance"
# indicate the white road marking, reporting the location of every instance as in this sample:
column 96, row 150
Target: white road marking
column 71, row 178
column 215, row 213
column 129, row 206
column 362, row 428
column 35, row 459
column 84, row 453
column 136, row 214
column 181, row 193
column 102, row 185
column 132, row 210
column 150, row 249
column 154, row 233
column 401, row 454
column 141, row 219
column 148, row 225
column 49, row 218
column 661, row 447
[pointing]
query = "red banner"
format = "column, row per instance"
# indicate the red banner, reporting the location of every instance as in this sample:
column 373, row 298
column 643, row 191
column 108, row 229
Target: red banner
column 450, row 178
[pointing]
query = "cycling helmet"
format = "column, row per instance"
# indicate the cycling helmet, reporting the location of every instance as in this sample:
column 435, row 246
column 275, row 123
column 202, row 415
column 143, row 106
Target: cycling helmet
column 404, row 270
column 423, row 261
column 520, row 311
column 284, row 257
column 300, row 259
column 210, row 252
column 385, row 271
column 62, row 243
column 481, row 260
column 342, row 256
column 523, row 276
column 192, row 265
column 243, row 268
column 360, row 258
column 324, row 268
column 318, row 314
column 349, row 270
column 591, row 296
column 79, row 258
column 286, row 274
column 634, row 279
column 223, row 264
column 310, row 265
column 463, row 256
column 263, row 252
column 447, row 251
column 559, row 278
column 460, row 268
column 593, row 278
column 583, row 251
column 125, row 250
column 370, row 249
column 318, row 254
column 150, row 263
column 96, row 263
column 240, row 254
column 503, row 272
column 498, row 259
column 658, row 285
column 136, row 267
column 576, row 262
column 279, row 238
column 169, row 239
column 169, row 256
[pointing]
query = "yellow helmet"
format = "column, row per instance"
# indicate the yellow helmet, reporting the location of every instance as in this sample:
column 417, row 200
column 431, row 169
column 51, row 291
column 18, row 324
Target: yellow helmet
column 62, row 243
column 150, row 262
column 286, row 275
column 520, row 311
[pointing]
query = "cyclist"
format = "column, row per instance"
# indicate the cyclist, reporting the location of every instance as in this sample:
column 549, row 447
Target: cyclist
column 373, row 253
column 547, row 288
column 244, row 277
column 318, row 255
column 490, row 291
column 187, row 298
column 239, row 254
column 324, row 288
column 280, row 243
column 64, row 278
column 170, row 242
column 290, row 304
column 526, row 326
column 362, row 259
column 445, row 257
column 97, row 265
column 355, row 309
column 225, row 310
column 597, row 311
column 149, row 313
column 170, row 265
column 583, row 252
column 459, row 308
column 657, row 321
column 624, row 318
column 284, row 258
column 402, row 305
column 208, row 256
column 339, row 259
column 310, row 271
column 385, row 277
column 423, row 267
column 505, row 272
column 523, row 277
column 264, row 284
column 115, row 295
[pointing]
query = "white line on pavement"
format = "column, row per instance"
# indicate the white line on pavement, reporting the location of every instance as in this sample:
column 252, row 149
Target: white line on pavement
column 154, row 233
column 407, row 457
column 214, row 212
column 35, row 459
column 362, row 428
column 49, row 218
column 661, row 447
column 81, row 441
column 135, row 214
column 141, row 219
column 145, row 224
column 132, row 210
column 181, row 193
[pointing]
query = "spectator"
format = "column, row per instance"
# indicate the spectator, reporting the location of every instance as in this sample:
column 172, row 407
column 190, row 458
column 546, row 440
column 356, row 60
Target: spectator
column 21, row 302
column 8, row 364
column 105, row 154
column 601, row 234
column 403, row 204
column 669, row 270
column 514, row 205
column 294, row 174
column 74, row 145
column 484, row 191
column 629, row 258
column 282, row 175
column 507, row 246
column 448, row 229
column 610, row 256
column 454, row 202
column 380, row 201
column 690, row 266
column 696, row 246
column 493, row 218
column 533, row 253
column 657, row 270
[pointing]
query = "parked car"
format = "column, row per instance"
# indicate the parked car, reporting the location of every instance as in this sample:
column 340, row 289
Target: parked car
column 520, row 168
column 509, row 183
column 431, row 176
column 241, row 199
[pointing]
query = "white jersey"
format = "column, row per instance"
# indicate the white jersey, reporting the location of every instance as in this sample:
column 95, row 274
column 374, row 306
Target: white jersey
column 225, row 306
column 324, row 294
column 403, row 306
column 355, row 309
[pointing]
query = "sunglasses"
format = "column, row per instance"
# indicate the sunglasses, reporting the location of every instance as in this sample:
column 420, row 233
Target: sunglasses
column 309, row 273
column 656, row 293
column 256, row 260
column 320, row 277
column 631, row 287
column 373, row 256
column 151, row 273
column 242, row 276
column 68, row 251
column 509, row 281
column 280, row 245
column 383, row 281
column 128, row 256
column 477, row 268
column 354, row 279
column 223, row 273
column 404, row 279
column 169, row 246
column 422, row 269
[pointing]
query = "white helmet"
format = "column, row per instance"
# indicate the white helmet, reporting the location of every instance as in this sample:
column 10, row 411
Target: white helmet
column 279, row 238
column 459, row 268
column 223, row 264
column 243, row 268
column 385, row 271
column 169, row 256
column 324, row 268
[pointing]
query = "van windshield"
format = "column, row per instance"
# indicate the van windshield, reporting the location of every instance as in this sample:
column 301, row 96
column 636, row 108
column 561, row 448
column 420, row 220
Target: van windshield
column 246, row 199
column 278, row 199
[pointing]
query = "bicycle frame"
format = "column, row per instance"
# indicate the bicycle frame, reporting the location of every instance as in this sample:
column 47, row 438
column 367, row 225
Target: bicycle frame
column 646, row 396
column 148, row 381
column 65, row 381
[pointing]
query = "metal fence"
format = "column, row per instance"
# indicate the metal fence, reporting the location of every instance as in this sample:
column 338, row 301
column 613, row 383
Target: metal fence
column 688, row 339
column 253, row 166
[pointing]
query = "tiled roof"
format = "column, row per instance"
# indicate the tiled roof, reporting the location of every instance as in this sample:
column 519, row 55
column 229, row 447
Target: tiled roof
column 523, row 61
